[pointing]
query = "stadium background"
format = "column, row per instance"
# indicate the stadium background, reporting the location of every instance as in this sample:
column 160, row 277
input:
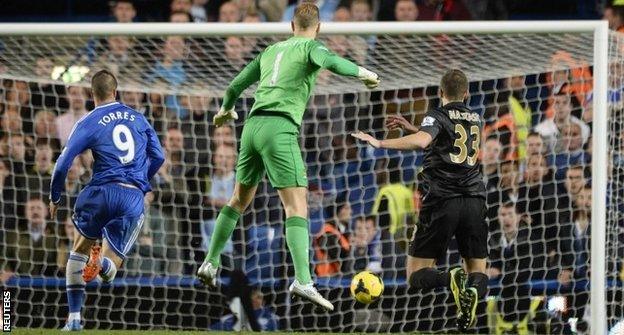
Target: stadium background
column 372, row 192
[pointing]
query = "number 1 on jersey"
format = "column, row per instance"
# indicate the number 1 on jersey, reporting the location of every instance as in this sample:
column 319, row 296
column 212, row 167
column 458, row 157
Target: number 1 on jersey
column 126, row 145
column 276, row 65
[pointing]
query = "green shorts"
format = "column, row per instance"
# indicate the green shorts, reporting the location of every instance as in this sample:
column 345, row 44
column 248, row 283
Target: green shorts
column 271, row 143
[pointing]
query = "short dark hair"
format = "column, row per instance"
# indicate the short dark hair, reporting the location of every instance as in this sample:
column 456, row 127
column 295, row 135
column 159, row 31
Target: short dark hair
column 103, row 84
column 334, row 207
column 494, row 137
column 534, row 133
column 306, row 15
column 454, row 85
column 364, row 2
column 131, row 2
column 364, row 219
column 509, row 204
column 43, row 142
column 373, row 218
column 562, row 91
column 37, row 196
column 576, row 167
column 584, row 170
column 618, row 10
column 10, row 135
column 179, row 12
column 511, row 162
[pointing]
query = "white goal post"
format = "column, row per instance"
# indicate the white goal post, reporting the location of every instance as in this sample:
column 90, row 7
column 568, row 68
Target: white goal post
column 600, row 65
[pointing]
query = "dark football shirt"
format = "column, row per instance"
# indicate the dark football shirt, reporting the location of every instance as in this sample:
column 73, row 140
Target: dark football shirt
column 452, row 166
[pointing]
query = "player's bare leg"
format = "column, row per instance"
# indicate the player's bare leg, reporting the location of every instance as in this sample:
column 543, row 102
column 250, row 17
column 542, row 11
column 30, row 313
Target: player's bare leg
column 107, row 252
column 416, row 263
column 226, row 221
column 294, row 200
column 82, row 245
column 75, row 284
column 475, row 289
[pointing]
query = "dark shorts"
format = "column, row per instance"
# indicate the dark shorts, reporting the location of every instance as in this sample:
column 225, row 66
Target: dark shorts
column 462, row 217
column 110, row 211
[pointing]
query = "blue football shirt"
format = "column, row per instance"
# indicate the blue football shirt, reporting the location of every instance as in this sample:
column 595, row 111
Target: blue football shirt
column 124, row 145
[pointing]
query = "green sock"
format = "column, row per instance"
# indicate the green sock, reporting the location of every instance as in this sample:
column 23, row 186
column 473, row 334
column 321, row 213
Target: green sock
column 226, row 221
column 298, row 241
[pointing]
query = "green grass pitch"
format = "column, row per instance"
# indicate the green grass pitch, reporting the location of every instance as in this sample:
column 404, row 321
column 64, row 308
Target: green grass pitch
column 141, row 332
column 24, row 331
column 127, row 332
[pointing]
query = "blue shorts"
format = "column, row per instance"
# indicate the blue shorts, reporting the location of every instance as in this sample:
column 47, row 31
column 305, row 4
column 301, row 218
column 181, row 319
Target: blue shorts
column 112, row 211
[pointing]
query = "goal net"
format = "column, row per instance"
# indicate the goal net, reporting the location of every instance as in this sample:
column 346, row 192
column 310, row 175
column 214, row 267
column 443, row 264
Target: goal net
column 534, row 90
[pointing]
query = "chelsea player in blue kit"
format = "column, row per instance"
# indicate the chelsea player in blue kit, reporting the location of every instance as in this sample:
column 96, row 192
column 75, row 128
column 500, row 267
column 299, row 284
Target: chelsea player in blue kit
column 127, row 154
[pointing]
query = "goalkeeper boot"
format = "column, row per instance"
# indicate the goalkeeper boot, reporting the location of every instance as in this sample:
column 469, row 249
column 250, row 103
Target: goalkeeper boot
column 207, row 274
column 72, row 326
column 309, row 292
column 94, row 266
column 458, row 279
column 469, row 300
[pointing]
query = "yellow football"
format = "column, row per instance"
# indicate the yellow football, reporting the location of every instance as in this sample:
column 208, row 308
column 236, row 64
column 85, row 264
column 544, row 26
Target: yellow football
column 366, row 287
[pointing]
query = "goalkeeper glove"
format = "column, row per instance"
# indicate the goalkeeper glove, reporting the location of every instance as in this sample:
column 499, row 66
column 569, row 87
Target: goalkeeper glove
column 369, row 78
column 224, row 116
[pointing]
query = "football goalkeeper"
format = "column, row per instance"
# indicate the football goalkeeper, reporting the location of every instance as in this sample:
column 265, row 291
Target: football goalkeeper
column 287, row 73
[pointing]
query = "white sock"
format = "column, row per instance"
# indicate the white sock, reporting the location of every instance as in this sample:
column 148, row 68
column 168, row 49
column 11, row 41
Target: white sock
column 109, row 270
column 75, row 284
column 73, row 316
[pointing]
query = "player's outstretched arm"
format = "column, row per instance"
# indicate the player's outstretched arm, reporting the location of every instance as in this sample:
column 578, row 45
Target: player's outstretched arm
column 420, row 140
column 154, row 152
column 249, row 75
column 77, row 143
column 321, row 56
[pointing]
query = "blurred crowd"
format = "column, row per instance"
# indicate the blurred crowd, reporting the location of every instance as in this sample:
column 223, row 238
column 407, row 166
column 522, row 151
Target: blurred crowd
column 535, row 151
column 183, row 11
column 349, row 10
column 282, row 10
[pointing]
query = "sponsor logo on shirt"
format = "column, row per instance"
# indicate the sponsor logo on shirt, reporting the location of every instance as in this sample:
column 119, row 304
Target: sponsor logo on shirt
column 427, row 121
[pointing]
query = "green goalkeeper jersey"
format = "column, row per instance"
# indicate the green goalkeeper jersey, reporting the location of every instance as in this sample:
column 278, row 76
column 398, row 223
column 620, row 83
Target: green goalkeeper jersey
column 287, row 73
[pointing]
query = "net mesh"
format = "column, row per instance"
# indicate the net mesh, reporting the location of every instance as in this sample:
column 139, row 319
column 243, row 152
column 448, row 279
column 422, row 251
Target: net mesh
column 536, row 153
column 615, row 224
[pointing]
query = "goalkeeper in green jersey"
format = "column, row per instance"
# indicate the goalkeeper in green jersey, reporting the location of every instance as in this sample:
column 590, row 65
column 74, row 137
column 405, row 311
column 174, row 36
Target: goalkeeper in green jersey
column 286, row 72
